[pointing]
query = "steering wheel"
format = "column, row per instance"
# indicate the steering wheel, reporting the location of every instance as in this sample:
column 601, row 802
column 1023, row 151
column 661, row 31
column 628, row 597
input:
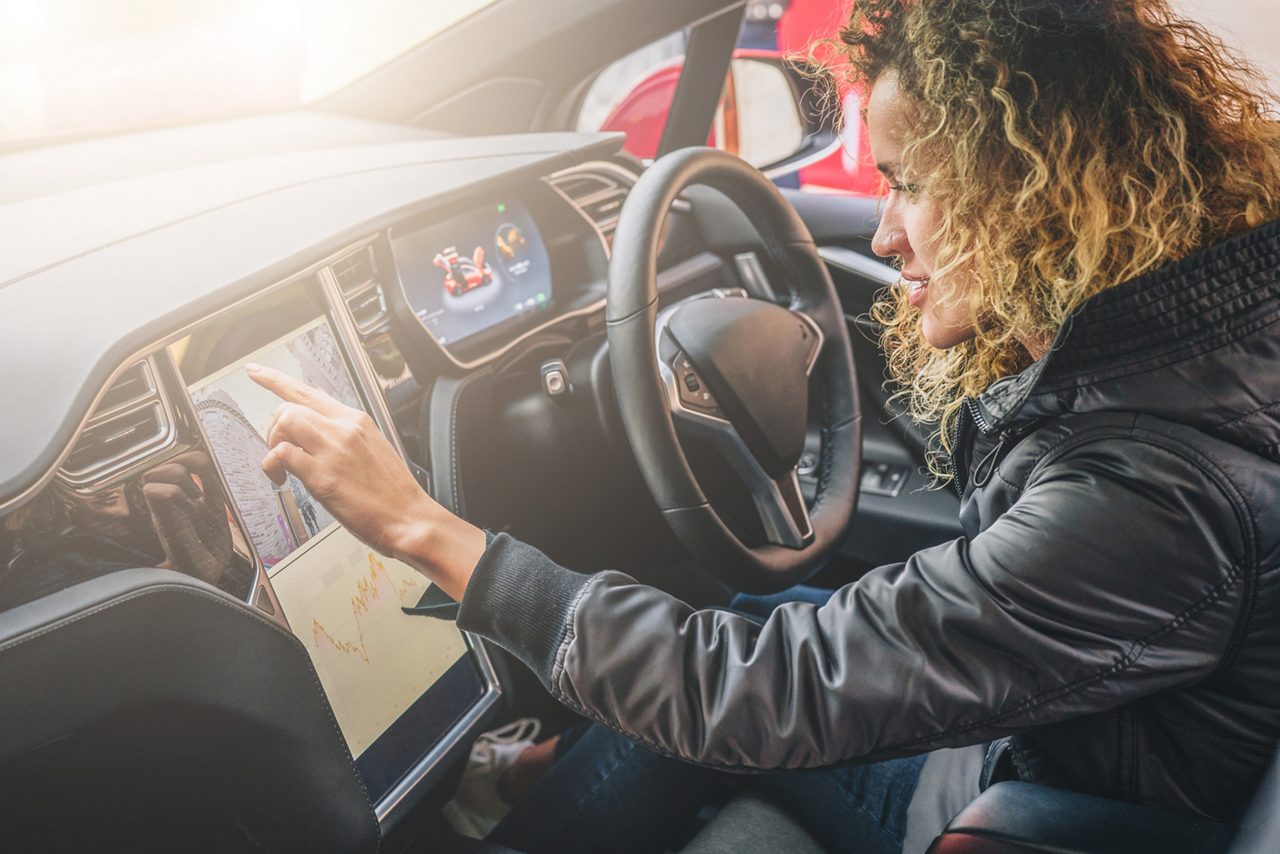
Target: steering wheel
column 739, row 371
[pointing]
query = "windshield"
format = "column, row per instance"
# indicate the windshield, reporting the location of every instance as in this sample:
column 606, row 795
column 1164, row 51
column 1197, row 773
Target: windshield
column 71, row 68
column 83, row 67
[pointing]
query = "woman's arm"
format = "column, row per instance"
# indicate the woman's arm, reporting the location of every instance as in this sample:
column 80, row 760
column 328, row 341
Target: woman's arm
column 1094, row 590
column 1049, row 614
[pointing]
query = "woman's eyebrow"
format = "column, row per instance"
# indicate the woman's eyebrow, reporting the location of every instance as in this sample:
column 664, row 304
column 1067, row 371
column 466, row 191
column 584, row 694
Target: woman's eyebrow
column 887, row 169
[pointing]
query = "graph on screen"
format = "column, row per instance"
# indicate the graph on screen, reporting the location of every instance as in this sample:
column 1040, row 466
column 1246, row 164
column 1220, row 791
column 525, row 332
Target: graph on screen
column 344, row 602
column 376, row 590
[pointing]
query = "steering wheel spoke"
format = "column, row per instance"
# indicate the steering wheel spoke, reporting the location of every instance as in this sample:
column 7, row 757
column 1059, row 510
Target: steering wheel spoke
column 782, row 510
column 784, row 513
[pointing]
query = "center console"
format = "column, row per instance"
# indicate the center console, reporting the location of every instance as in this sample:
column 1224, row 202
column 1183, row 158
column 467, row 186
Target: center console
column 402, row 686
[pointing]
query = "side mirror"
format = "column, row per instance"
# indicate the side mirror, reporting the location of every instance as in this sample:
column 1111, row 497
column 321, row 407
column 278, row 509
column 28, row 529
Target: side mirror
column 773, row 115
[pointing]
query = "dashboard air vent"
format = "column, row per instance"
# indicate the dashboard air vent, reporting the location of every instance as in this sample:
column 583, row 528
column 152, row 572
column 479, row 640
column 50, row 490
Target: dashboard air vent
column 133, row 385
column 115, row 437
column 130, row 422
column 356, row 277
column 603, row 210
column 355, row 270
column 598, row 190
column 368, row 308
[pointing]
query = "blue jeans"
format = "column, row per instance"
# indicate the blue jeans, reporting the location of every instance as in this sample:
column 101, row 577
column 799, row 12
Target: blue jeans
column 609, row 793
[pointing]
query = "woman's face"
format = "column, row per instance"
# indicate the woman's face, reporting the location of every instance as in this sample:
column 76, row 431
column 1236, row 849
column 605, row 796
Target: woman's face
column 909, row 219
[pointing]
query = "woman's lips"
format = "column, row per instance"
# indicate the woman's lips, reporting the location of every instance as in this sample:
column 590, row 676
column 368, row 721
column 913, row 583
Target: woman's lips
column 916, row 290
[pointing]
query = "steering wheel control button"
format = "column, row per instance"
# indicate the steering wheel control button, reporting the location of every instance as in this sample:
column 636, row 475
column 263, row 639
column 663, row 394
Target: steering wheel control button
column 694, row 393
column 555, row 378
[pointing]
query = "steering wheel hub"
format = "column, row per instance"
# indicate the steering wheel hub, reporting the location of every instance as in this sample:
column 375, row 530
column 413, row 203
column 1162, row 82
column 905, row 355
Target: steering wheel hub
column 755, row 358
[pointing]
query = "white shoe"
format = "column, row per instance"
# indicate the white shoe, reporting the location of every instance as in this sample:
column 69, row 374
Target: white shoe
column 477, row 807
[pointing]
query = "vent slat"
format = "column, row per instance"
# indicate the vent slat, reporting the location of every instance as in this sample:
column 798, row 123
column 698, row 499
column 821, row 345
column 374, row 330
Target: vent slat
column 133, row 385
column 113, row 440
column 604, row 211
column 354, row 270
column 599, row 195
column 356, row 277
column 368, row 308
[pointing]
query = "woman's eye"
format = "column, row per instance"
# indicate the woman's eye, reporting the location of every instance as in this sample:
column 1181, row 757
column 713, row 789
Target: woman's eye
column 909, row 189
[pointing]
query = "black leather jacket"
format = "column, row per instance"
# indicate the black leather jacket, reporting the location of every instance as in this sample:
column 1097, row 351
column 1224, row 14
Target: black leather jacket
column 1114, row 605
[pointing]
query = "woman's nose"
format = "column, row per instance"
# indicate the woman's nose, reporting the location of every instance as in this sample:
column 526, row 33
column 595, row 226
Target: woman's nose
column 889, row 240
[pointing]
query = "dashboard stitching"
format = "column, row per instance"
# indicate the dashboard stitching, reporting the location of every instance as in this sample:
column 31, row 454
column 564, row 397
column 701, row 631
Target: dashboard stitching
column 184, row 589
column 263, row 194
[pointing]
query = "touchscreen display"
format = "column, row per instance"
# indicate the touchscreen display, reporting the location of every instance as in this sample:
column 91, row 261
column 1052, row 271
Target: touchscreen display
column 341, row 599
column 466, row 274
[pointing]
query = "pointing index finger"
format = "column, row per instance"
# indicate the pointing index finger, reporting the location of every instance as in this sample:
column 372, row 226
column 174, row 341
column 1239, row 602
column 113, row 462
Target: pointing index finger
column 287, row 388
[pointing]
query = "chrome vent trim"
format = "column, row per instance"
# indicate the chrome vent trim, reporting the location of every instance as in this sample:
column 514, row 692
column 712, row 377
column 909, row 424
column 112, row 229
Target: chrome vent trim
column 598, row 191
column 134, row 385
column 133, row 421
column 356, row 277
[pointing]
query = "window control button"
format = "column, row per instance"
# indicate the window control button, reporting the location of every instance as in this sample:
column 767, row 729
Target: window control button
column 883, row 478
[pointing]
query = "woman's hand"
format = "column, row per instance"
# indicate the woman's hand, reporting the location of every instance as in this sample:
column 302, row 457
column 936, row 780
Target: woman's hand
column 349, row 466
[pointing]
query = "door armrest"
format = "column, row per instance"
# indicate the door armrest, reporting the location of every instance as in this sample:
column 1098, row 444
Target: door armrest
column 1013, row 818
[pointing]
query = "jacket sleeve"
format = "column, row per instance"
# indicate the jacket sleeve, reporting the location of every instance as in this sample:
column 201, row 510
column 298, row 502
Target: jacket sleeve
column 1097, row 587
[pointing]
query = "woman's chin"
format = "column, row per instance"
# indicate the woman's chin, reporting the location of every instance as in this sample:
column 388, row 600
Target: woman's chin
column 943, row 336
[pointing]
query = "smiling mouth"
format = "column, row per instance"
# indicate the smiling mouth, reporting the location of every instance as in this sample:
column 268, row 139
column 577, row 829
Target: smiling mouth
column 916, row 289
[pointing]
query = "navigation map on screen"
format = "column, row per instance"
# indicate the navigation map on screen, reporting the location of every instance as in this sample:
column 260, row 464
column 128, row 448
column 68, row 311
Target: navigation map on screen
column 236, row 411
column 341, row 598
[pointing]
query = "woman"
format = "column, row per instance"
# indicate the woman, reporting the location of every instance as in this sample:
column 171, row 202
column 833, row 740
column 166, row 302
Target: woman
column 1083, row 197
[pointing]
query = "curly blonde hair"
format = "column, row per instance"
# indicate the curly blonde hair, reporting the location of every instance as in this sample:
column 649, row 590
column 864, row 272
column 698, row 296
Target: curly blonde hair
column 1069, row 145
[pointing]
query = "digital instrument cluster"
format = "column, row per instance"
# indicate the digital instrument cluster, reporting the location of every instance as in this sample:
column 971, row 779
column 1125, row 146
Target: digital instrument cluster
column 471, row 272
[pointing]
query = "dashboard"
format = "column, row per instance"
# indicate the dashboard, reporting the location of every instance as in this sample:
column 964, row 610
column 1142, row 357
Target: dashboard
column 141, row 439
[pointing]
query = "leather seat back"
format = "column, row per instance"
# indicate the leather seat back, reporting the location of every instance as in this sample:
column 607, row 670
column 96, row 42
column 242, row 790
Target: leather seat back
column 145, row 710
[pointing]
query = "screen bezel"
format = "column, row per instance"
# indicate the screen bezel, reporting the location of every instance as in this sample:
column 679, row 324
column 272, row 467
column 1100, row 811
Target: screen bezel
column 393, row 786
